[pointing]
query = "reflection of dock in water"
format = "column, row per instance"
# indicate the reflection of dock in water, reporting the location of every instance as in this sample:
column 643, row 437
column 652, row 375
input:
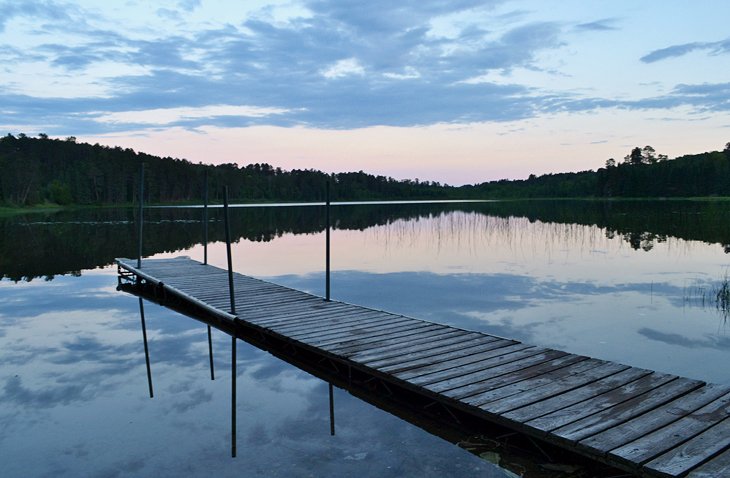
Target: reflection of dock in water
column 644, row 422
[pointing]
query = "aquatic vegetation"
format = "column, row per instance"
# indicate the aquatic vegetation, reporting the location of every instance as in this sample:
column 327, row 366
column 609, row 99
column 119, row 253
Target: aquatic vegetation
column 716, row 295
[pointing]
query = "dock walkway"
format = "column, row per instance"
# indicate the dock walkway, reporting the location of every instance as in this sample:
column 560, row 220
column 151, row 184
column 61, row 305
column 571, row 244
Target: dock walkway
column 648, row 423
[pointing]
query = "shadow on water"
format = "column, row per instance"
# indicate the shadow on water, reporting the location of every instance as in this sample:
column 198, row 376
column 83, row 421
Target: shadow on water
column 511, row 451
column 66, row 242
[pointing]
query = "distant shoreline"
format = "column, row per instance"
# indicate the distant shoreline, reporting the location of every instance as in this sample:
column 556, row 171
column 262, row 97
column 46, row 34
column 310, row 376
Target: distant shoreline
column 51, row 208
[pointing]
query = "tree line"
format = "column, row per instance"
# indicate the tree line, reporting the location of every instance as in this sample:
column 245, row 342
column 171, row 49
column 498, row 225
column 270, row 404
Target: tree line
column 63, row 171
column 643, row 173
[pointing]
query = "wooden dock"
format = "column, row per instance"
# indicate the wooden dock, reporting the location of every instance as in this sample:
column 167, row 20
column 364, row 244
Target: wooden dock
column 647, row 423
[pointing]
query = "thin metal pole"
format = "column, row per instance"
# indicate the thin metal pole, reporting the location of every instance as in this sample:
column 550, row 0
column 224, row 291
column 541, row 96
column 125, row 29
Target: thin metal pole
column 210, row 354
column 146, row 349
column 233, row 394
column 332, row 411
column 205, row 261
column 205, row 221
column 235, row 321
column 228, row 251
column 141, row 204
column 327, row 240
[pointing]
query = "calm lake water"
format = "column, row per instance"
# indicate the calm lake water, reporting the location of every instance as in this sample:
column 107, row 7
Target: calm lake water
column 628, row 281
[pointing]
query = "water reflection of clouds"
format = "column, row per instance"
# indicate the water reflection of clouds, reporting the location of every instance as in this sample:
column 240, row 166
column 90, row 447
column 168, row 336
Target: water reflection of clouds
column 50, row 396
column 706, row 342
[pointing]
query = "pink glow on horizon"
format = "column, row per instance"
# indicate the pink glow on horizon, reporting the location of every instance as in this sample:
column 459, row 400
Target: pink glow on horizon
column 453, row 154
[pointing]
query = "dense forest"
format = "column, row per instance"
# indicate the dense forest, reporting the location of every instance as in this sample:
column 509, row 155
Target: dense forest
column 38, row 170
column 642, row 174
column 63, row 171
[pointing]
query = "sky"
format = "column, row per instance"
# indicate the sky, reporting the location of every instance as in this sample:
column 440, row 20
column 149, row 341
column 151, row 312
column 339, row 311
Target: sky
column 457, row 91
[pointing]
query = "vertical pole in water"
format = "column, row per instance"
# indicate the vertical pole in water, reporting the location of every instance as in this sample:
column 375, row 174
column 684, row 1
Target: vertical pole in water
column 205, row 261
column 327, row 291
column 233, row 393
column 332, row 410
column 228, row 252
column 327, row 241
column 146, row 349
column 233, row 311
column 205, row 219
column 210, row 354
column 141, row 203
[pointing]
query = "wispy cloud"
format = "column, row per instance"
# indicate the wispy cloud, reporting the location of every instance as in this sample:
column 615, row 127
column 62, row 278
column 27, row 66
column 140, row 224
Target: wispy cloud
column 38, row 9
column 170, row 116
column 606, row 24
column 674, row 51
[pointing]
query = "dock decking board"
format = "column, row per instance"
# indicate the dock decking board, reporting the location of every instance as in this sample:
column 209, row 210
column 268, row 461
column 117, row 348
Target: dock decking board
column 520, row 381
column 649, row 423
column 601, row 402
column 623, row 412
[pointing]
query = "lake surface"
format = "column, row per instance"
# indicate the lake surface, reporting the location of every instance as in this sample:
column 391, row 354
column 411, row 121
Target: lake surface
column 631, row 282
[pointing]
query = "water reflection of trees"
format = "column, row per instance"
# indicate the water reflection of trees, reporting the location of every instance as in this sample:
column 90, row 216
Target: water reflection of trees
column 41, row 245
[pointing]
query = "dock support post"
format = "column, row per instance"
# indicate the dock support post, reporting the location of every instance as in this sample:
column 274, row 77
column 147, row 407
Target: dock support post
column 235, row 319
column 228, row 251
column 141, row 204
column 210, row 354
column 205, row 218
column 332, row 410
column 233, row 395
column 146, row 348
column 205, row 261
column 327, row 241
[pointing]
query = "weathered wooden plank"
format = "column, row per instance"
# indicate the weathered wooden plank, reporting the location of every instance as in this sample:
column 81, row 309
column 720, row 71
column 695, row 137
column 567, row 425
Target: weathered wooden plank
column 334, row 324
column 268, row 318
column 202, row 283
column 215, row 283
column 284, row 309
column 556, row 387
column 363, row 327
column 393, row 348
column 357, row 335
column 425, row 367
column 405, row 337
column 312, row 305
column 492, row 368
column 433, row 349
column 519, row 381
column 589, row 390
column 691, row 453
column 601, row 402
column 673, row 434
column 305, row 318
column 272, row 299
column 625, row 411
column 653, row 420
column 334, row 346
column 716, row 467
column 449, row 359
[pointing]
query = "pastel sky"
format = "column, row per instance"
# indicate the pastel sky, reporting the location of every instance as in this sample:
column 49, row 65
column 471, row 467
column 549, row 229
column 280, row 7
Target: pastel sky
column 457, row 91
